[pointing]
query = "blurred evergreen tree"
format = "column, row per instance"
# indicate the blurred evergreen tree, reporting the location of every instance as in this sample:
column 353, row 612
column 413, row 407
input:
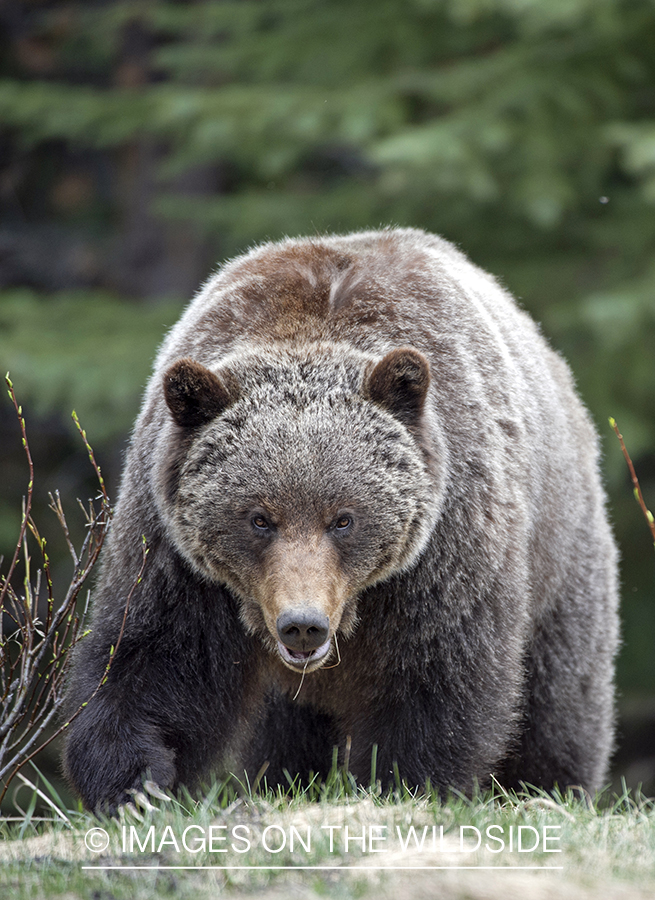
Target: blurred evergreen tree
column 143, row 140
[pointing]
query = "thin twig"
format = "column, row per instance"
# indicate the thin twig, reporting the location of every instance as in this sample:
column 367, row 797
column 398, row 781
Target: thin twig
column 56, row 507
column 89, row 450
column 639, row 497
column 28, row 502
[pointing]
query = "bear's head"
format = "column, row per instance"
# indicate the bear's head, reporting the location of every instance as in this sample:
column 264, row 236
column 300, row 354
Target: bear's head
column 298, row 479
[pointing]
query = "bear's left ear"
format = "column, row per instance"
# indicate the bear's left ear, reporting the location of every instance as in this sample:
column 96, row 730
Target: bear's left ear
column 195, row 395
column 399, row 383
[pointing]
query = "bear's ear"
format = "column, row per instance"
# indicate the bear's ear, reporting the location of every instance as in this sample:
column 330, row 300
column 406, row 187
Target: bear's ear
column 195, row 395
column 399, row 383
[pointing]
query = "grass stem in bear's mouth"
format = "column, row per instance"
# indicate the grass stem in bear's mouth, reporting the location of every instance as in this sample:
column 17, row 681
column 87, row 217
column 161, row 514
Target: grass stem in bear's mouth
column 302, row 677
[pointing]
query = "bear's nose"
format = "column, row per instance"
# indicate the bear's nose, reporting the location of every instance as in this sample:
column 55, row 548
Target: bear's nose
column 303, row 629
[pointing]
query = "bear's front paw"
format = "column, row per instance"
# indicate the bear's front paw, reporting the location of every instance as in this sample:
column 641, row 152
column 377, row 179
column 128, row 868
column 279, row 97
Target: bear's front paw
column 107, row 765
column 140, row 795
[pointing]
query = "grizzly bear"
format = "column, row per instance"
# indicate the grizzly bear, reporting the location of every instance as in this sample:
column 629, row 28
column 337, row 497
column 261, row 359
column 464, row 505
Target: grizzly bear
column 374, row 520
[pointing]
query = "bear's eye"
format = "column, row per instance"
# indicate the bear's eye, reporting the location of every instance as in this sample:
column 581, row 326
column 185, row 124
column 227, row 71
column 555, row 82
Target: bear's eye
column 260, row 524
column 343, row 524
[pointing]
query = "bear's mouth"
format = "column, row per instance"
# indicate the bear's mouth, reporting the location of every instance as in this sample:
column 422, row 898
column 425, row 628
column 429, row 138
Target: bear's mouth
column 304, row 660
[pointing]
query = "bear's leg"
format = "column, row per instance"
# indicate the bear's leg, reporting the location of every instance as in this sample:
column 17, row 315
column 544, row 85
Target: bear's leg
column 108, row 754
column 173, row 693
column 440, row 693
column 416, row 750
column 289, row 737
column 568, row 724
column 450, row 725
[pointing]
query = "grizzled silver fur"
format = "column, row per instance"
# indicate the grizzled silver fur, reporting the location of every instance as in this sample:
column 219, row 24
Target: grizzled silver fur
column 367, row 430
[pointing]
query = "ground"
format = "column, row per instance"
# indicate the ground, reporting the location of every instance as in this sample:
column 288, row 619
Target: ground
column 607, row 852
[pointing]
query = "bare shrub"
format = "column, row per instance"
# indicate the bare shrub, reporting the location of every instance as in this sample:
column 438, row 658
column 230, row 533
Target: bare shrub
column 39, row 627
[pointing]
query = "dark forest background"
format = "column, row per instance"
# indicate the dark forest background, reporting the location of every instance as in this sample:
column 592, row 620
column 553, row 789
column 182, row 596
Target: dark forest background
column 143, row 142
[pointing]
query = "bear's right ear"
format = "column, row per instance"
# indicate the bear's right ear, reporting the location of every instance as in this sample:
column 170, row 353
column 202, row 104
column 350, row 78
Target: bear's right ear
column 195, row 395
column 399, row 383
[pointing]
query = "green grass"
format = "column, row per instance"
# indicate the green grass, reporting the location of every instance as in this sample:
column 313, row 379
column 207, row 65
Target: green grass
column 607, row 846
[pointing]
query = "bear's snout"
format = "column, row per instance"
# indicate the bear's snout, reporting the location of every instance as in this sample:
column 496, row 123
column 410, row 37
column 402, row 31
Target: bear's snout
column 303, row 638
column 303, row 629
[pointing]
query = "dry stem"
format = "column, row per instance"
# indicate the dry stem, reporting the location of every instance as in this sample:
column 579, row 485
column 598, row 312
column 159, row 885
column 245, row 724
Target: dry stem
column 639, row 497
